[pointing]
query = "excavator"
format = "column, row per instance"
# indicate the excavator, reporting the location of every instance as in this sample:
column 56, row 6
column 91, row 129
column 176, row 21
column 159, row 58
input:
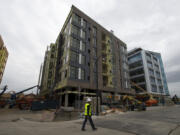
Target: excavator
column 132, row 103
column 147, row 97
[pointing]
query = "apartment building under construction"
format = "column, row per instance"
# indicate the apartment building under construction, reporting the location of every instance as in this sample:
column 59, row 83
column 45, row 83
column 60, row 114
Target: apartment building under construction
column 86, row 60
column 3, row 58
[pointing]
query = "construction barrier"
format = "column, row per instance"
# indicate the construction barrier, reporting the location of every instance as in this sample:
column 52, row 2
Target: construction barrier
column 41, row 105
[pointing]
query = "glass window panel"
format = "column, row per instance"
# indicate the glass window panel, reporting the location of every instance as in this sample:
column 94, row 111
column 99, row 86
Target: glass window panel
column 76, row 19
column 75, row 43
column 154, row 88
column 135, row 58
column 74, row 56
column 83, row 60
column 149, row 64
column 94, row 42
column 94, row 31
column 84, row 23
column 73, row 72
column 75, row 30
column 151, row 72
column 83, row 34
column 82, row 74
column 83, row 47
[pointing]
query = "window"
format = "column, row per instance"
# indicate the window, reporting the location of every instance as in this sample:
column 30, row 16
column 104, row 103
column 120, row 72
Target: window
column 149, row 64
column 161, row 89
column 94, row 42
column 73, row 72
column 65, row 74
column 83, row 48
column 154, row 88
column 155, row 59
column 83, row 34
column 159, row 82
column 148, row 56
column 49, row 84
column 156, row 67
column 135, row 58
column 52, row 56
column 51, row 65
column 152, row 79
column 158, row 74
column 136, row 64
column 151, row 72
column 94, row 52
column 74, row 56
column 82, row 74
column 94, row 31
column 50, row 74
column 75, row 30
column 84, row 23
column 95, row 65
column 83, row 59
column 76, row 19
column 75, row 43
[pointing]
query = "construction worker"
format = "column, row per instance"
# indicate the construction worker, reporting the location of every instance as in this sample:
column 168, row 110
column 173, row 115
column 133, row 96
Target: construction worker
column 87, row 114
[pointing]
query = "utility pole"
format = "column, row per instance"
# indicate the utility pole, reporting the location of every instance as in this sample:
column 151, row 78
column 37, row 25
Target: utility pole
column 97, row 91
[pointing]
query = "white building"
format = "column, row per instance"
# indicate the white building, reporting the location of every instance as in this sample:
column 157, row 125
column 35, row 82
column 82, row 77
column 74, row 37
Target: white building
column 146, row 69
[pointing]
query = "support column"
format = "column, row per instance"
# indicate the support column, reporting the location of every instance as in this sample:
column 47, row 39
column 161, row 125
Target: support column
column 60, row 101
column 66, row 100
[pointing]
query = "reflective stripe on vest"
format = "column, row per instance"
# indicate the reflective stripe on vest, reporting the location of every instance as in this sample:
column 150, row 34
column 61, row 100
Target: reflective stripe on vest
column 86, row 109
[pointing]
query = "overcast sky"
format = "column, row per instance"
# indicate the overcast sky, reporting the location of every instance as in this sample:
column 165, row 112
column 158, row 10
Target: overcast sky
column 28, row 26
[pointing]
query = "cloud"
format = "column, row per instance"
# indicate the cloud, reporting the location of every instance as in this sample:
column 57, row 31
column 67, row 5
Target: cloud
column 27, row 27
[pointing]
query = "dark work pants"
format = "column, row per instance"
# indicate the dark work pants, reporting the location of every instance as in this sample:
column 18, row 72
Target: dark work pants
column 90, row 120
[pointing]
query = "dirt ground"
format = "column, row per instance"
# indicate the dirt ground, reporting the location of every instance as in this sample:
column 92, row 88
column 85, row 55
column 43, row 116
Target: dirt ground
column 7, row 115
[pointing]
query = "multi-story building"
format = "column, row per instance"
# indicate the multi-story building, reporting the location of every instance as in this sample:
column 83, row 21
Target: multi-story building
column 146, row 70
column 90, row 60
column 48, row 72
column 3, row 58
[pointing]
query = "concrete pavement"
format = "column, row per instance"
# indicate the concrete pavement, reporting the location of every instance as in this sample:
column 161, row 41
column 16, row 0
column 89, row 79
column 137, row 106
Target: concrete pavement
column 26, row 127
column 155, row 121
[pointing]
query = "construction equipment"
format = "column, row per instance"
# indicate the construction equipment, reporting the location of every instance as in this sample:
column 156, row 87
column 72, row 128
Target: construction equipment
column 23, row 101
column 2, row 101
column 175, row 99
column 131, row 103
column 4, row 89
column 150, row 101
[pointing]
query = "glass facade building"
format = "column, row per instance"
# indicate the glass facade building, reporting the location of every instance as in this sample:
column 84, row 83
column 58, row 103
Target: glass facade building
column 147, row 70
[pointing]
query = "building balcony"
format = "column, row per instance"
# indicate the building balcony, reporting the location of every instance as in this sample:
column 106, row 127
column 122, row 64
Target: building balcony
column 137, row 76
column 153, row 83
column 135, row 68
column 151, row 75
column 140, row 83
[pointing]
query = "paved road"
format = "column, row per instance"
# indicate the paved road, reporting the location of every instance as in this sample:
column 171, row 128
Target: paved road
column 155, row 121
column 160, row 121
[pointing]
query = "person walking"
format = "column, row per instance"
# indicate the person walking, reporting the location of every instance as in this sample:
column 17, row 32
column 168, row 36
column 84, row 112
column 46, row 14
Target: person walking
column 88, row 114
